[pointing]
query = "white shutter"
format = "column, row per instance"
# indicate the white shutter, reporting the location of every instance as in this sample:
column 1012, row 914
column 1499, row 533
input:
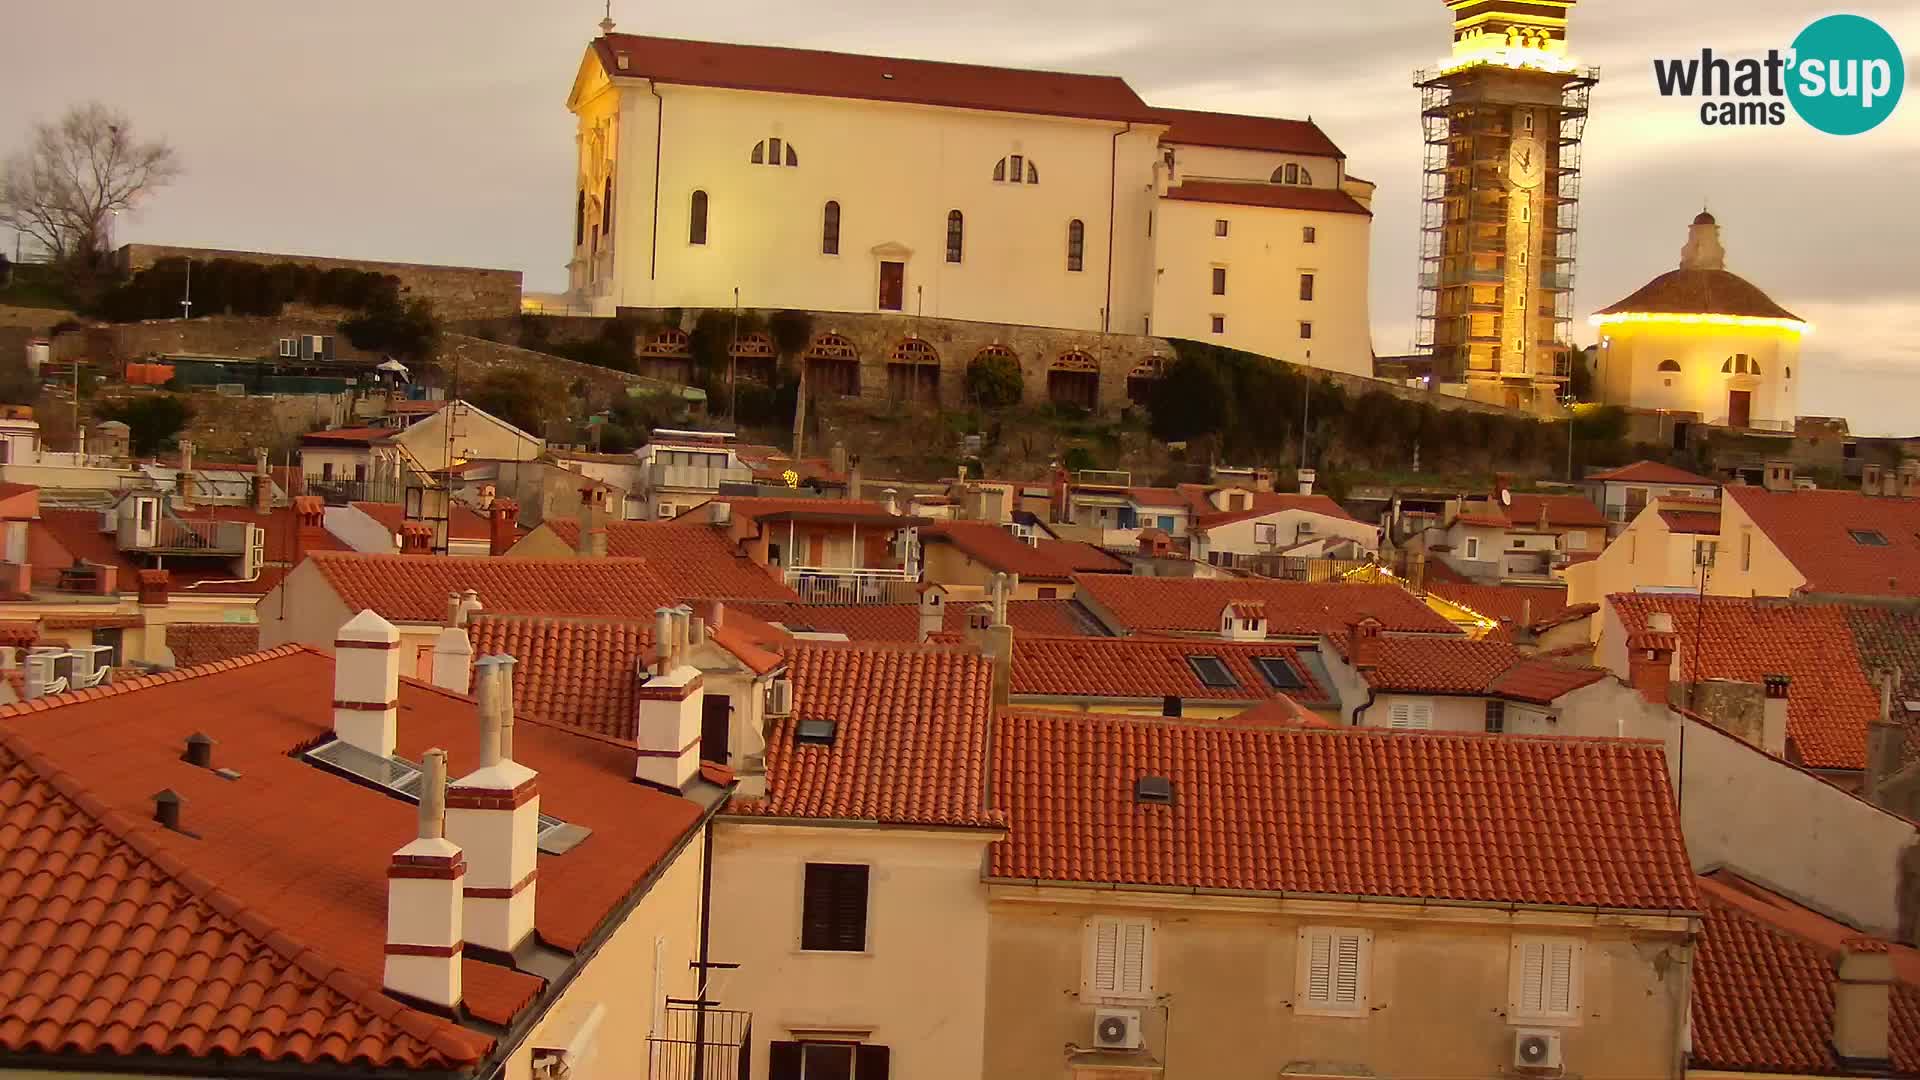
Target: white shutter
column 1133, row 957
column 658, row 1004
column 1533, row 964
column 1346, row 969
column 1401, row 715
column 1412, row 713
column 1105, row 945
column 1546, row 979
column 1319, row 966
column 1119, row 958
column 1558, row 995
column 1333, row 971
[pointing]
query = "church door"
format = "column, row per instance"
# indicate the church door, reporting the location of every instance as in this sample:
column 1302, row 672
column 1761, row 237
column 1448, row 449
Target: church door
column 1739, row 408
column 893, row 286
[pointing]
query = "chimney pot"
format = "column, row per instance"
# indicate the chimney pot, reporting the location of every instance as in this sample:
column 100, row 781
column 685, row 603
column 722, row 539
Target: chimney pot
column 486, row 693
column 504, row 663
column 1863, row 1003
column 493, row 815
column 167, row 804
column 199, row 750
column 453, row 609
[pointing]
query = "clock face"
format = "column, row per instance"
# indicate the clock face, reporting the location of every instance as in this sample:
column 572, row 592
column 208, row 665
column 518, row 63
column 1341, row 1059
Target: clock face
column 1526, row 162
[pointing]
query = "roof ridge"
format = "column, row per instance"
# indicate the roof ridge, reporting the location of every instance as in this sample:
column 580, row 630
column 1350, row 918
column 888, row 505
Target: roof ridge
column 139, row 836
column 160, row 678
column 1347, row 730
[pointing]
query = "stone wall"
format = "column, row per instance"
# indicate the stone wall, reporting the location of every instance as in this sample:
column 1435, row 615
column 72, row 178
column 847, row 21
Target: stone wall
column 478, row 356
column 110, row 345
column 457, row 292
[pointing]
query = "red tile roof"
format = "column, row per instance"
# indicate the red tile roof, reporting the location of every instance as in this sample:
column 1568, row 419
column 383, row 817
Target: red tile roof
column 301, row 976
column 761, row 506
column 871, row 78
column 357, row 436
column 194, row 644
column 1651, row 472
column 1153, row 496
column 1350, row 812
column 1763, row 985
column 1151, row 669
column 19, row 633
column 1700, row 291
column 1234, row 132
column 1275, row 196
column 1830, row 702
column 910, row 738
column 901, row 622
column 576, row 673
column 1512, row 605
column 1429, row 665
column 995, row 548
column 1563, row 511
column 699, row 559
column 1811, row 529
column 78, row 533
column 414, row 588
column 1278, row 711
column 1264, row 503
column 1692, row 522
column 462, row 523
column 1147, row 605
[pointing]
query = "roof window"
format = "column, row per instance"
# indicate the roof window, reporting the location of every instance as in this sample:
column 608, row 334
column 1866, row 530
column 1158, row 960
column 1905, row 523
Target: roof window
column 401, row 778
column 814, row 733
column 1868, row 537
column 1278, row 673
column 1212, row 672
column 1154, row 790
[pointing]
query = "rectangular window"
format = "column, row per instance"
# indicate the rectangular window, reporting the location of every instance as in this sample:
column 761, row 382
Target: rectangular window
column 1333, row 971
column 1473, row 547
column 1119, row 958
column 1704, row 552
column 1219, row 226
column 1219, row 281
column 827, row 1060
column 1212, row 672
column 1149, row 223
column 1219, row 324
column 1746, row 549
column 1575, row 540
column 1308, row 235
column 1266, row 534
column 1047, row 593
column 1306, row 286
column 1411, row 714
column 1166, row 522
column 1278, row 673
column 326, row 470
column 1306, row 331
column 1544, row 980
column 833, row 915
column 1496, row 717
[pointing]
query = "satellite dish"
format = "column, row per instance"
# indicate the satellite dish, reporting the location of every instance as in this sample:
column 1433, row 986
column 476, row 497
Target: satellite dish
column 1506, row 497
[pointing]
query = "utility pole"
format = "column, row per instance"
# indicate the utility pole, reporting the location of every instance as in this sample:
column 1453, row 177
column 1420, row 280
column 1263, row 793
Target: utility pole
column 186, row 300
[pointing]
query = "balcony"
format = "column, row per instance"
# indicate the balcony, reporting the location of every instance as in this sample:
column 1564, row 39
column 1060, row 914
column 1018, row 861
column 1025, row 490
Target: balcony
column 699, row 1042
column 695, row 477
column 176, row 536
column 851, row 585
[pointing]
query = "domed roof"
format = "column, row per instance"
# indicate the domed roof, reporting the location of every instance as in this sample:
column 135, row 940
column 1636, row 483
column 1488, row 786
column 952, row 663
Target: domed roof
column 1701, row 291
column 1704, row 218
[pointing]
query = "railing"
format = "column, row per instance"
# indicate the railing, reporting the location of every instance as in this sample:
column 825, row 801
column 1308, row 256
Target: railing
column 339, row 491
column 696, row 477
column 701, row 1043
column 1299, row 568
column 200, row 537
column 848, row 585
column 1781, row 426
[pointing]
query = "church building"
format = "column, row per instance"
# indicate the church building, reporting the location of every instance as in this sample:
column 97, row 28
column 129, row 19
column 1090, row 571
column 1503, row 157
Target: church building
column 1704, row 341
column 713, row 174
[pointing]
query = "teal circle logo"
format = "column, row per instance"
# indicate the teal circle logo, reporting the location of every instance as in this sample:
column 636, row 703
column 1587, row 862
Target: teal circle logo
column 1847, row 74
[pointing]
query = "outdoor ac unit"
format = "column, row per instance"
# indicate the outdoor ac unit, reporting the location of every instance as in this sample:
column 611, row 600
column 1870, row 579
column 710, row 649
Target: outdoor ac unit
column 1536, row 1049
column 1116, row 1029
column 780, row 697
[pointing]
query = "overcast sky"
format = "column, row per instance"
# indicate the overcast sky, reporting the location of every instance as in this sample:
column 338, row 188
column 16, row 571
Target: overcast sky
column 435, row 131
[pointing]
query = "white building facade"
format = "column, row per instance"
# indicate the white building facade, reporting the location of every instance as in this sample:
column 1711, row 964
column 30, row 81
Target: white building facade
column 713, row 174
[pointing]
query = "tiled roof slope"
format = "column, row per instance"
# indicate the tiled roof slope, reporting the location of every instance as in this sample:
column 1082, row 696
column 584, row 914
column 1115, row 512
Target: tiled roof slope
column 1148, row 605
column 1109, row 667
column 871, row 78
column 1348, row 812
column 1512, row 605
column 414, row 588
column 1830, row 702
column 113, row 945
column 1651, row 472
column 697, row 558
column 193, row 644
column 764, row 506
column 1692, row 522
column 1811, row 529
column 462, row 523
column 1268, row 502
column 1763, row 976
column 901, row 622
column 576, row 673
column 266, row 842
column 78, row 531
column 997, row 549
column 1190, row 127
column 1563, row 511
column 1275, row 196
column 1700, row 291
column 1888, row 640
column 1425, row 665
column 910, row 737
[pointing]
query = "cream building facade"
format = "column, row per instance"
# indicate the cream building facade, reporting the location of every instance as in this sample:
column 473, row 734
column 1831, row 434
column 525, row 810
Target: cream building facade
column 711, row 175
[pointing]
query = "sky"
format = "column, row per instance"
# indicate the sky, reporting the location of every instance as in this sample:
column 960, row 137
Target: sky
column 436, row 131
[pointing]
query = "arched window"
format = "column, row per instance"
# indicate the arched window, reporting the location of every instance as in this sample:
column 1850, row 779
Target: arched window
column 956, row 236
column 697, row 219
column 1291, row 173
column 606, row 207
column 1740, row 364
column 830, row 228
column 774, row 152
column 580, row 218
column 1016, row 169
column 1306, row 178
column 760, row 152
column 1669, row 365
column 1076, row 244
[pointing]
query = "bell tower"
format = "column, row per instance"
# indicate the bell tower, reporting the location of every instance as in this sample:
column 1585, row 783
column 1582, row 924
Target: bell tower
column 1502, row 118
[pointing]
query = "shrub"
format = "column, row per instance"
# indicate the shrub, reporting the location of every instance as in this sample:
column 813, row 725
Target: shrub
column 995, row 382
column 408, row 332
column 152, row 421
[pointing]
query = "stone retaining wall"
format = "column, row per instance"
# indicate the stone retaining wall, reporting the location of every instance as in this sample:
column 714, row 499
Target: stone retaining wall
column 457, row 292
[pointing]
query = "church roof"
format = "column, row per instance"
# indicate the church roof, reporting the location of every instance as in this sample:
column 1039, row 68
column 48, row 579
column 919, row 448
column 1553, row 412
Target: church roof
column 875, row 78
column 1700, row 291
column 1278, row 196
column 1272, row 133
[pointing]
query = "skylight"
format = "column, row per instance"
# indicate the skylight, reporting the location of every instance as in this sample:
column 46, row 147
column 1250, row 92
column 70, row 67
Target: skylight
column 1211, row 672
column 814, row 732
column 1153, row 789
column 1868, row 537
column 1278, row 673
column 401, row 778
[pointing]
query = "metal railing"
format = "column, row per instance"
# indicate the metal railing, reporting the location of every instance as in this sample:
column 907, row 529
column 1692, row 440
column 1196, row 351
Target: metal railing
column 695, row 477
column 701, row 1043
column 200, row 537
column 850, row 585
column 339, row 491
column 1310, row 569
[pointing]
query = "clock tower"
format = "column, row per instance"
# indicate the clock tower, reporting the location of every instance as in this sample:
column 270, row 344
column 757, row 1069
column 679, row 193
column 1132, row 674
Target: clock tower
column 1503, row 116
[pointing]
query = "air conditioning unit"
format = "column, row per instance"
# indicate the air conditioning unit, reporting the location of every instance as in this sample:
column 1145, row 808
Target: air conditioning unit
column 1535, row 1049
column 1116, row 1029
column 780, row 697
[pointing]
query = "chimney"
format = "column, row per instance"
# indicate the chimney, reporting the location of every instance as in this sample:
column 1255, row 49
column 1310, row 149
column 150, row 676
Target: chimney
column 1363, row 643
column 453, row 610
column 1306, row 478
column 890, row 501
column 493, row 814
column 592, row 542
column 426, row 884
column 1650, row 658
column 1910, row 479
column 1057, row 495
column 416, row 538
column 933, row 614
column 502, row 516
column 1863, row 1004
column 167, row 804
column 670, row 698
column 1779, row 476
column 1872, row 479
column 996, row 640
column 1886, row 743
column 183, row 480
column 837, row 461
column 262, row 482
column 1773, row 715
column 366, row 683
column 469, row 606
column 310, row 512
column 153, row 587
column 199, row 751
column 453, row 657
column 856, row 478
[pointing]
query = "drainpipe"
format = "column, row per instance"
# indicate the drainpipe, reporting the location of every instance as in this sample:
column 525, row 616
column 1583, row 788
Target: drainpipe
column 659, row 123
column 1113, row 193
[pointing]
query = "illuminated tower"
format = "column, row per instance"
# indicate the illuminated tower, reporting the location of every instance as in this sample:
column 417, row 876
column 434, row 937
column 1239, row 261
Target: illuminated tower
column 1502, row 117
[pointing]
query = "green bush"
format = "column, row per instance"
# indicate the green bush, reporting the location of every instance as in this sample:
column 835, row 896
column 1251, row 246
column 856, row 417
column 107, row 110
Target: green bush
column 232, row 287
column 152, row 421
column 407, row 331
column 792, row 332
column 995, row 382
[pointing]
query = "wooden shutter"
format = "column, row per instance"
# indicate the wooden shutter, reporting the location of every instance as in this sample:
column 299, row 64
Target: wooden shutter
column 1120, row 957
column 1133, row 957
column 833, row 913
column 1319, row 966
column 783, row 1061
column 1533, row 964
column 850, row 909
column 1105, row 945
column 871, row 1062
column 1346, row 969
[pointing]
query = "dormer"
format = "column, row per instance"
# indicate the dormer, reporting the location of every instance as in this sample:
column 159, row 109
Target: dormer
column 1243, row 620
column 1230, row 500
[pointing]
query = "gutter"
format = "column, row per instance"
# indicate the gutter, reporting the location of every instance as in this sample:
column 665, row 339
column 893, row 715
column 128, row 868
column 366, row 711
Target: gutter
column 1113, row 193
column 659, row 125
column 1356, row 898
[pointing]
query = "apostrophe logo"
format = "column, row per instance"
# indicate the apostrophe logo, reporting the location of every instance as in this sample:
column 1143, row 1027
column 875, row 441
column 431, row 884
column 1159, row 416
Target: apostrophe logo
column 1843, row 75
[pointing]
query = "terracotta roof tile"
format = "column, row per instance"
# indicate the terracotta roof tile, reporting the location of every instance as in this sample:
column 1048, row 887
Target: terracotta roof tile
column 1511, row 605
column 194, row 644
column 77, row 532
column 1813, row 529
column 1435, row 665
column 1154, row 668
column 1269, row 502
column 699, row 559
column 998, row 549
column 1651, row 472
column 1235, row 132
column 1694, row 522
column 901, row 622
column 1277, row 196
column 909, row 744
column 1563, row 511
column 19, row 633
column 1082, row 557
column 576, row 673
column 413, row 588
column 1700, row 291
column 1349, row 812
column 462, row 523
column 757, row 507
column 1294, row 609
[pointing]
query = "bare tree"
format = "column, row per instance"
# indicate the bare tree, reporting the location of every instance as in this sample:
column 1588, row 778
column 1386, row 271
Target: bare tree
column 75, row 175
